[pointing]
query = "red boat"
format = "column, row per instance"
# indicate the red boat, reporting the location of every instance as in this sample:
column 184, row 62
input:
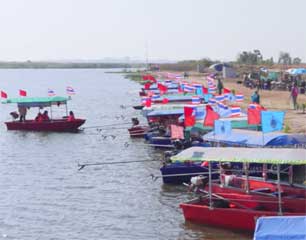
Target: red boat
column 238, row 213
column 138, row 131
column 65, row 124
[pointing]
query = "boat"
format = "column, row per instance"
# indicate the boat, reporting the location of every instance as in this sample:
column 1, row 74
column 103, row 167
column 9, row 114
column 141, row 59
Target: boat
column 232, row 210
column 50, row 125
column 138, row 131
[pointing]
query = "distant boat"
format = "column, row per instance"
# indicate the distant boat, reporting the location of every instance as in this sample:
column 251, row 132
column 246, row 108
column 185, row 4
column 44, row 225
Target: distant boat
column 51, row 125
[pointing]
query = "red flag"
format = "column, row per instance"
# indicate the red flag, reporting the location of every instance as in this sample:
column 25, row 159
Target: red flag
column 22, row 93
column 147, row 86
column 151, row 78
column 3, row 94
column 226, row 90
column 165, row 101
column 148, row 102
column 179, row 89
column 145, row 77
column 254, row 114
column 162, row 88
column 210, row 117
column 189, row 117
column 205, row 90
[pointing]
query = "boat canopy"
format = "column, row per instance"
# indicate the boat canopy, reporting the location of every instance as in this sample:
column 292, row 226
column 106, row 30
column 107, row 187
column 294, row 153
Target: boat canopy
column 165, row 112
column 292, row 156
column 280, row 228
column 37, row 101
column 249, row 138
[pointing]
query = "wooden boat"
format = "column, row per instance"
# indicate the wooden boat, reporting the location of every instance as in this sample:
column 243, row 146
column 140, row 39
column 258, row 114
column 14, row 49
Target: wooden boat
column 235, row 210
column 138, row 131
column 50, row 125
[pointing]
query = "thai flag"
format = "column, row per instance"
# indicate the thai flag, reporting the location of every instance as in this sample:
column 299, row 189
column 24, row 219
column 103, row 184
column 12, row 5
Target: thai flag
column 210, row 79
column 168, row 82
column 253, row 106
column 220, row 98
column 144, row 100
column 212, row 101
column 239, row 97
column 188, row 88
column 155, row 97
column 235, row 111
column 199, row 85
column 51, row 93
column 212, row 89
column 195, row 100
column 70, row 91
column 222, row 106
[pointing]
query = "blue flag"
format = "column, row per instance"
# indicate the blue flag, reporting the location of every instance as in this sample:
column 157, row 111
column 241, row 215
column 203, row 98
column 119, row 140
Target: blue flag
column 223, row 127
column 272, row 121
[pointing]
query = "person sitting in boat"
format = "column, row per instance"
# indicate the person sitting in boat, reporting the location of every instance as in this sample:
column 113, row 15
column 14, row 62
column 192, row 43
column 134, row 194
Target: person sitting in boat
column 45, row 116
column 135, row 122
column 71, row 117
column 39, row 117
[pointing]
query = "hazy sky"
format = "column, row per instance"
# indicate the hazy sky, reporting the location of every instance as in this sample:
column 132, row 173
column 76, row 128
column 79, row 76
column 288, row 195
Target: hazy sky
column 173, row 29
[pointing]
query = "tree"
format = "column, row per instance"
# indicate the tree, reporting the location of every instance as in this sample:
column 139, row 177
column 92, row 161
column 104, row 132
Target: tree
column 250, row 57
column 297, row 60
column 284, row 58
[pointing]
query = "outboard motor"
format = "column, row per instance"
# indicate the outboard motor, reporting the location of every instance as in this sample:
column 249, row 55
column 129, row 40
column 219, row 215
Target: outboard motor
column 135, row 121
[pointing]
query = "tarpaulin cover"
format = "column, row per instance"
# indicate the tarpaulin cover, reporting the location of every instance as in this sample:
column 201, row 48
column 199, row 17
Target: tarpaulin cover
column 255, row 139
column 280, row 228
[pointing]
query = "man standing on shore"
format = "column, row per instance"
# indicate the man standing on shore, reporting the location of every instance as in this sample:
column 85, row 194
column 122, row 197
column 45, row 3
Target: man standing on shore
column 294, row 94
column 220, row 86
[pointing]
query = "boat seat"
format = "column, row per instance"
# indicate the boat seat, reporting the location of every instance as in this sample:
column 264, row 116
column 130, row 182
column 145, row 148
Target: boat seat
column 265, row 190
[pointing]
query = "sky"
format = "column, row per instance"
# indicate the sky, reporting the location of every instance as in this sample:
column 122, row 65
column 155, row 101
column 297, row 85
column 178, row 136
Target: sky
column 161, row 29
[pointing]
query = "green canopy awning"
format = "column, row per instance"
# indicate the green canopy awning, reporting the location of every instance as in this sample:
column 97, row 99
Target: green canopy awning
column 37, row 101
column 290, row 156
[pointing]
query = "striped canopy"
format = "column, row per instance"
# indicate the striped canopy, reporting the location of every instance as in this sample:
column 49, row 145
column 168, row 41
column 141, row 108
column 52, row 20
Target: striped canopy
column 290, row 156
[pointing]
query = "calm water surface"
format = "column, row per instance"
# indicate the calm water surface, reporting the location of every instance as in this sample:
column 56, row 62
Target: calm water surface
column 44, row 196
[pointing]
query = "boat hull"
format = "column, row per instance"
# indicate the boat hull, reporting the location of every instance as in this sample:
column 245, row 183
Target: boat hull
column 47, row 126
column 234, row 219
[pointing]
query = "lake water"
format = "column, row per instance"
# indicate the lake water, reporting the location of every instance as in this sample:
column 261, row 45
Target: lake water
column 44, row 196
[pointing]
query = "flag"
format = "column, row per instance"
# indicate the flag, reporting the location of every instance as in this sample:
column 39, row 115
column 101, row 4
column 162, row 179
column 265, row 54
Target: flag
column 168, row 81
column 162, row 88
column 239, row 97
column 219, row 98
column 180, row 89
column 147, row 86
column 195, row 100
column 226, row 93
column 272, row 121
column 197, row 85
column 235, row 111
column 51, row 93
column 165, row 101
column 149, row 77
column 222, row 127
column 3, row 94
column 155, row 97
column 210, row 117
column 254, row 113
column 150, row 93
column 222, row 105
column 212, row 101
column 146, row 101
column 205, row 90
column 189, row 116
column 177, row 132
column 70, row 91
column 22, row 93
column 188, row 88
column 212, row 89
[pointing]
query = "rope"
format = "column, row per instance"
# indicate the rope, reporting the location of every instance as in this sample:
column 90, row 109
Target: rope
column 81, row 166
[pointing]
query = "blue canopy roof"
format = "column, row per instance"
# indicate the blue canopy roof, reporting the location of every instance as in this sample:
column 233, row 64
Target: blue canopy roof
column 165, row 112
column 173, row 98
column 280, row 228
column 256, row 139
column 170, row 86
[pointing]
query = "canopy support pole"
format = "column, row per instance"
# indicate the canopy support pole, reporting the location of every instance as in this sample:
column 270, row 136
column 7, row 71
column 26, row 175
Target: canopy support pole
column 246, row 172
column 209, row 185
column 280, row 212
column 290, row 175
column 51, row 111
column 221, row 175
column 66, row 108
